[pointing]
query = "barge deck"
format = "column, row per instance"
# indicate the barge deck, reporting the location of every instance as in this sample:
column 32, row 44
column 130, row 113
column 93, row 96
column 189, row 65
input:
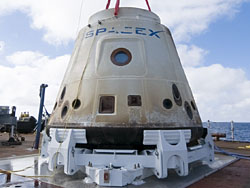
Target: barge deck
column 20, row 166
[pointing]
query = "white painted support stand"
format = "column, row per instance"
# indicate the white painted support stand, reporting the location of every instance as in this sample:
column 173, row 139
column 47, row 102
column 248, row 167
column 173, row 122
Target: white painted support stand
column 122, row 167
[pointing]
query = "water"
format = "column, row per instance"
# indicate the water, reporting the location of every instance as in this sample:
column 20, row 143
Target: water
column 241, row 130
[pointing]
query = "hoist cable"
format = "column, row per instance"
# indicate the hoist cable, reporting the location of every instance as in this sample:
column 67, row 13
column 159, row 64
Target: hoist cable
column 107, row 6
column 118, row 4
column 148, row 5
column 117, row 7
column 79, row 19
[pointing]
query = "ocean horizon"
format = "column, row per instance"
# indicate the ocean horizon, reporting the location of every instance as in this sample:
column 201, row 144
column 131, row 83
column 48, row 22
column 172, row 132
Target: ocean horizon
column 241, row 130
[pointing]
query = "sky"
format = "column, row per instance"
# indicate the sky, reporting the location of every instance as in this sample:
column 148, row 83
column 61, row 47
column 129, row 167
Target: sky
column 212, row 39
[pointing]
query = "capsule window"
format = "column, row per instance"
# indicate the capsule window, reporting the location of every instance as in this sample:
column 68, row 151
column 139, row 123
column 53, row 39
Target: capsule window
column 76, row 104
column 188, row 110
column 167, row 103
column 55, row 106
column 63, row 93
column 121, row 57
column 134, row 100
column 107, row 105
column 64, row 111
column 177, row 95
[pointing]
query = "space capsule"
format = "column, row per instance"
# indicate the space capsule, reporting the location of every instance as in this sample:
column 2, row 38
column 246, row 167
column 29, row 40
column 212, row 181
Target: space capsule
column 125, row 77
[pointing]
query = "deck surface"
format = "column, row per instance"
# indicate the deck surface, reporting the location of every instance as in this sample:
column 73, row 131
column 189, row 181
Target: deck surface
column 236, row 175
column 226, row 171
column 242, row 148
column 26, row 148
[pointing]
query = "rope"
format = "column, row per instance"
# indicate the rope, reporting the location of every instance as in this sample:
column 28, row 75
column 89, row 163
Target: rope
column 46, row 111
column 26, row 168
column 14, row 172
column 237, row 155
column 79, row 19
column 77, row 96
column 66, row 120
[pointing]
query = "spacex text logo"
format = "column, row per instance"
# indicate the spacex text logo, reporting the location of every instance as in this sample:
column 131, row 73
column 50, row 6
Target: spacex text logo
column 125, row 31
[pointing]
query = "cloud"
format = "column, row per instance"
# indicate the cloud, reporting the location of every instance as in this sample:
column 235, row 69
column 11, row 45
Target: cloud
column 191, row 55
column 188, row 18
column 2, row 45
column 27, row 58
column 59, row 18
column 20, row 84
column 221, row 93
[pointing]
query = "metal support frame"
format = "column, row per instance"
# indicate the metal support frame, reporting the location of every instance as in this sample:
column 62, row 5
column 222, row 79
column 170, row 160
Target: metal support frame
column 39, row 126
column 122, row 167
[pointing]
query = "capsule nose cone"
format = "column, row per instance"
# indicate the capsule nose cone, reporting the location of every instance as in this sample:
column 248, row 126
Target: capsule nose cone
column 125, row 76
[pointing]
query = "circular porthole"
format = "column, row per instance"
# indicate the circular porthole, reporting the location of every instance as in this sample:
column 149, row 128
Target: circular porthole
column 188, row 110
column 64, row 111
column 76, row 104
column 177, row 95
column 193, row 105
column 167, row 103
column 121, row 57
column 63, row 93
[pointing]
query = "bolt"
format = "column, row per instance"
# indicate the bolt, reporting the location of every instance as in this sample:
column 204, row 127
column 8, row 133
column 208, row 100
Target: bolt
column 99, row 22
column 138, row 165
column 89, row 25
column 73, row 151
column 135, row 166
column 90, row 164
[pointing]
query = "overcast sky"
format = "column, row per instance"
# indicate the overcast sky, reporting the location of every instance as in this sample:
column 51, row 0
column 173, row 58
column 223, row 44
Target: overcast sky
column 212, row 37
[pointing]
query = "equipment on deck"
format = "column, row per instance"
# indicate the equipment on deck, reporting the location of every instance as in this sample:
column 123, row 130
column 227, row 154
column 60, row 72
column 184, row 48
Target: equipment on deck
column 40, row 114
column 8, row 123
column 26, row 123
